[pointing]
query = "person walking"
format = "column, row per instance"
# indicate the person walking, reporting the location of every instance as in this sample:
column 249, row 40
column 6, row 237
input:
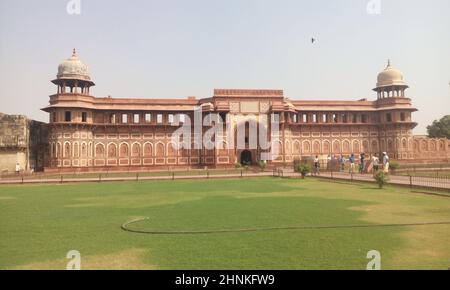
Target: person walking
column 316, row 165
column 376, row 163
column 362, row 157
column 342, row 162
column 17, row 168
column 352, row 163
column 385, row 162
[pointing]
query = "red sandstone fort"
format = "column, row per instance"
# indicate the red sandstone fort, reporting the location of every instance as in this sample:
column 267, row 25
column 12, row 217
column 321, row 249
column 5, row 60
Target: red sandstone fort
column 91, row 133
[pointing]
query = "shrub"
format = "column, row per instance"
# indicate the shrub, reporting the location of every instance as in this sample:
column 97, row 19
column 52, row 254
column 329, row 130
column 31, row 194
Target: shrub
column 381, row 178
column 262, row 164
column 303, row 169
column 238, row 165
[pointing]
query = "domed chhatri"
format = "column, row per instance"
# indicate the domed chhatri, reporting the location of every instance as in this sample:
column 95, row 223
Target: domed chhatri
column 73, row 68
column 390, row 83
column 73, row 76
column 390, row 77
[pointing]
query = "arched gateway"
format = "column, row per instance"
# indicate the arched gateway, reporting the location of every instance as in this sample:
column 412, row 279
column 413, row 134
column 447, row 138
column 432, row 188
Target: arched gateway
column 246, row 157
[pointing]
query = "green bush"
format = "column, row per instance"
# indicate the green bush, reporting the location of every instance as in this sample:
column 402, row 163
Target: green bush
column 303, row 169
column 381, row 178
column 238, row 165
column 262, row 164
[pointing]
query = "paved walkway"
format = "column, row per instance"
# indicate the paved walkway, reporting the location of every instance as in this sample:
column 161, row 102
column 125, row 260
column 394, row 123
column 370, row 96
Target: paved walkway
column 413, row 181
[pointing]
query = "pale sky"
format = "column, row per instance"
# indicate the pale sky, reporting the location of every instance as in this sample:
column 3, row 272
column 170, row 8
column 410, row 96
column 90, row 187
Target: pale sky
column 180, row 48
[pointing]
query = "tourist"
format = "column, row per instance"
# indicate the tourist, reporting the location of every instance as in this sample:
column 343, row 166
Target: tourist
column 362, row 157
column 385, row 162
column 17, row 168
column 342, row 162
column 376, row 162
column 316, row 165
column 351, row 159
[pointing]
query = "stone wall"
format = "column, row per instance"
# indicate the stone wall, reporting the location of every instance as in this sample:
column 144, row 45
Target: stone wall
column 22, row 141
column 431, row 149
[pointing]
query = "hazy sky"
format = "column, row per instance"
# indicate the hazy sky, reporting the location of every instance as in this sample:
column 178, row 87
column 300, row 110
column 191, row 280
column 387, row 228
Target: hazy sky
column 168, row 48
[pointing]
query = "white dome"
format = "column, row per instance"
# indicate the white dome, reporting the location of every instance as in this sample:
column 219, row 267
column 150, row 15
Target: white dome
column 73, row 68
column 390, row 77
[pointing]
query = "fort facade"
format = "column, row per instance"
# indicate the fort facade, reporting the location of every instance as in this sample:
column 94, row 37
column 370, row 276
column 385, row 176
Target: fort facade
column 98, row 133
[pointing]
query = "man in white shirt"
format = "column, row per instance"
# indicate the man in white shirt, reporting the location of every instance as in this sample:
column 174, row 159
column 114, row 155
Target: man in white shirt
column 385, row 162
column 376, row 162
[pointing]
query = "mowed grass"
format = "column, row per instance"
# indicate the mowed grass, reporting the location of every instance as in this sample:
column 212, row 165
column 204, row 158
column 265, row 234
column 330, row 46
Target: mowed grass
column 39, row 224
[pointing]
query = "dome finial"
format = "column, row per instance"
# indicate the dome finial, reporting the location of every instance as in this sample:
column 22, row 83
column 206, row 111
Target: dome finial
column 74, row 52
column 389, row 63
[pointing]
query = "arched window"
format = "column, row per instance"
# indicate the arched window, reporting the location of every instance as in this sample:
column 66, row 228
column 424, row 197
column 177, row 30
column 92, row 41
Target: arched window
column 136, row 150
column 112, row 150
column 123, row 150
column 148, row 150
column 160, row 151
column 67, row 151
column 99, row 150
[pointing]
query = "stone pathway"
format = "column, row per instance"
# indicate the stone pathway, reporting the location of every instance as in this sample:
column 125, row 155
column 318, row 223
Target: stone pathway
column 413, row 181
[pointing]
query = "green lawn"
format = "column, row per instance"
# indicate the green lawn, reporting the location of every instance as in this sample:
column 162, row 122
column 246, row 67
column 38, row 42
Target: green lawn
column 39, row 224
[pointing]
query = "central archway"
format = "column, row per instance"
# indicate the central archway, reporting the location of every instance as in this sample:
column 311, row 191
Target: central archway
column 246, row 157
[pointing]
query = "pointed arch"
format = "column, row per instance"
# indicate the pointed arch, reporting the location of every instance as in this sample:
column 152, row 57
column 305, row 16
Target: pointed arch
column 326, row 148
column 136, row 149
column 365, row 146
column 124, row 150
column 76, row 149
column 160, row 149
column 112, row 150
column 404, row 144
column 306, row 146
column 67, row 150
column 84, row 150
column 356, row 147
column 346, row 148
column 336, row 146
column 390, row 145
column 99, row 150
column 432, row 145
column 148, row 149
column 375, row 148
column 172, row 149
column 287, row 147
column 59, row 152
column 316, row 147
column 296, row 147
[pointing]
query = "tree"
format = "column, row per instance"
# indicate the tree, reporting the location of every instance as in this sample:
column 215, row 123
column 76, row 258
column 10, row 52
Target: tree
column 381, row 178
column 262, row 164
column 440, row 129
column 303, row 169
